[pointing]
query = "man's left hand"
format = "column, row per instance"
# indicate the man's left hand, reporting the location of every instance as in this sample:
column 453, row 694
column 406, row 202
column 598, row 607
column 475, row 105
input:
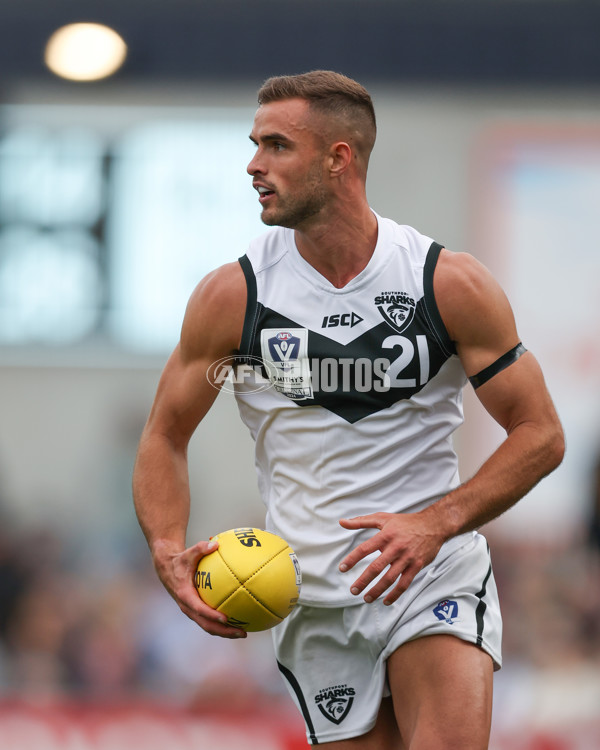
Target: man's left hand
column 407, row 543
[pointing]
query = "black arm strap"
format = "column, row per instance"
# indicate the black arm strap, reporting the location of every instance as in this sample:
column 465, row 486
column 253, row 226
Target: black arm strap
column 500, row 364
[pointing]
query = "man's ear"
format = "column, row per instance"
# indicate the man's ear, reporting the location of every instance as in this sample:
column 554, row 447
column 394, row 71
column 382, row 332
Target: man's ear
column 340, row 156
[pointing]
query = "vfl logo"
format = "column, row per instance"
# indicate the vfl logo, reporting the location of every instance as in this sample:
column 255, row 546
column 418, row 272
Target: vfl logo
column 285, row 357
column 335, row 702
column 397, row 309
column 284, row 348
column 446, row 610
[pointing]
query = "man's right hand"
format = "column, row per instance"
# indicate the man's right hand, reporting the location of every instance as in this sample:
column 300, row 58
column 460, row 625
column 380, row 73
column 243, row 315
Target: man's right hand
column 177, row 569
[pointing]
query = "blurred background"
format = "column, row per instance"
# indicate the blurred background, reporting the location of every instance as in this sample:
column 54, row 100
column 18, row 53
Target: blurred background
column 122, row 183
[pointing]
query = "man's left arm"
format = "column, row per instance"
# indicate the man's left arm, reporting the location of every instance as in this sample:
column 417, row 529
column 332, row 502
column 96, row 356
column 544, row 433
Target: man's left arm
column 480, row 321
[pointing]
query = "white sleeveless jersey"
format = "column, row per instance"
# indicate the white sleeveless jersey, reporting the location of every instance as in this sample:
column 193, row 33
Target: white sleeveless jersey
column 352, row 396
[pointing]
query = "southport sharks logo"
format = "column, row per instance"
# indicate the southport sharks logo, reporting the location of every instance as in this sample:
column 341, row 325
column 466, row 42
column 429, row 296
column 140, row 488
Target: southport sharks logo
column 397, row 309
column 335, row 702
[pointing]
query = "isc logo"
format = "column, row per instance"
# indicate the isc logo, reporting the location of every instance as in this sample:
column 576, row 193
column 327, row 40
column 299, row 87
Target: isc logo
column 347, row 319
column 247, row 537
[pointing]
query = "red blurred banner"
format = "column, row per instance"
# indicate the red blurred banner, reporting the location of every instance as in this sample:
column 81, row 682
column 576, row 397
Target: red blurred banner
column 73, row 725
column 91, row 726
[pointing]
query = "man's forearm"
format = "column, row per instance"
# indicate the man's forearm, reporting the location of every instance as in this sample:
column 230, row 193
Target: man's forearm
column 161, row 493
column 527, row 455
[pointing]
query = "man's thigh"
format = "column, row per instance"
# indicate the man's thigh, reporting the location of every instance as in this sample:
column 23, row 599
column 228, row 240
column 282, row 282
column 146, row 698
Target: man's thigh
column 383, row 736
column 442, row 692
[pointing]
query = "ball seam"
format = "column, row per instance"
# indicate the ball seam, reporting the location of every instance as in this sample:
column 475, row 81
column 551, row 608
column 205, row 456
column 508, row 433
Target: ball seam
column 243, row 584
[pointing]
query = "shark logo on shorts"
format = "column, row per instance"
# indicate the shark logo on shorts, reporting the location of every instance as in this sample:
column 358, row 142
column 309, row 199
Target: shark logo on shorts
column 446, row 610
column 335, row 702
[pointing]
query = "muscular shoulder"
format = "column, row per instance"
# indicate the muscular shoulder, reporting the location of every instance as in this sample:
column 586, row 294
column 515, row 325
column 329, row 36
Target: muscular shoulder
column 214, row 316
column 474, row 307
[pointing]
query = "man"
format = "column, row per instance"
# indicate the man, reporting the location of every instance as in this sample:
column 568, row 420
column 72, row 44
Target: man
column 368, row 332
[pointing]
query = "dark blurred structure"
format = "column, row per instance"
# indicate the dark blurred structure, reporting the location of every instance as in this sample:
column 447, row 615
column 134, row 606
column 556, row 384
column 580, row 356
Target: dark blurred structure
column 430, row 41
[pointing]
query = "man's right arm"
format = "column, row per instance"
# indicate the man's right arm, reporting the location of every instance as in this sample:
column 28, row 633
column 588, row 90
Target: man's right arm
column 211, row 331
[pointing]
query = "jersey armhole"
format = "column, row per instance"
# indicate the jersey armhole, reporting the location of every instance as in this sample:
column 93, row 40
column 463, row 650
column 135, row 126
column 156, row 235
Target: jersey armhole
column 433, row 313
column 251, row 316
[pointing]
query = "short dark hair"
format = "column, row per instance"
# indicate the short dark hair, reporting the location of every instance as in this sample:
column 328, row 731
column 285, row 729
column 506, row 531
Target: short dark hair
column 329, row 93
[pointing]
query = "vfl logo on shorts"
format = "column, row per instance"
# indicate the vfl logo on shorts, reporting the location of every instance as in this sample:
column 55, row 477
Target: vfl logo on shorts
column 447, row 611
column 397, row 309
column 335, row 702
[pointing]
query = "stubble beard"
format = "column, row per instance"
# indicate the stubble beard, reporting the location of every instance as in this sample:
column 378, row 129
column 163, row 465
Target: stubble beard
column 295, row 212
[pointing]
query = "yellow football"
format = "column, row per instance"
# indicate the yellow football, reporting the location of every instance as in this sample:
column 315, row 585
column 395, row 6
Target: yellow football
column 253, row 577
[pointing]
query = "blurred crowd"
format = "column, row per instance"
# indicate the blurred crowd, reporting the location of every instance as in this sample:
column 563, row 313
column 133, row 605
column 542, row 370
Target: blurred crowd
column 75, row 627
column 71, row 627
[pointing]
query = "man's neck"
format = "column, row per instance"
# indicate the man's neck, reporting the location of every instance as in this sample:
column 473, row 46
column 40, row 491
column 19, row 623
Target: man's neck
column 340, row 248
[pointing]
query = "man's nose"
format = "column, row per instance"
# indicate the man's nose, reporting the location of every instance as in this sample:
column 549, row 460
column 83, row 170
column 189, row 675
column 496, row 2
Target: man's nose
column 255, row 165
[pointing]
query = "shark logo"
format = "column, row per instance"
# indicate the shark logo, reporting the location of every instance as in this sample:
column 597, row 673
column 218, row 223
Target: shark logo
column 397, row 309
column 335, row 702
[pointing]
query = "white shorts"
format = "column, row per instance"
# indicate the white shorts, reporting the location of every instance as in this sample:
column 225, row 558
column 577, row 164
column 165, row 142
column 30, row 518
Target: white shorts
column 334, row 659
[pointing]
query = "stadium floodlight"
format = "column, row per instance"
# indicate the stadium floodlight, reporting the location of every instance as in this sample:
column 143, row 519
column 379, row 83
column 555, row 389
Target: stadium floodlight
column 85, row 52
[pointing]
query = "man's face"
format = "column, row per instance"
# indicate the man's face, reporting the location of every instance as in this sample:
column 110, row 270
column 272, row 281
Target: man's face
column 288, row 169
